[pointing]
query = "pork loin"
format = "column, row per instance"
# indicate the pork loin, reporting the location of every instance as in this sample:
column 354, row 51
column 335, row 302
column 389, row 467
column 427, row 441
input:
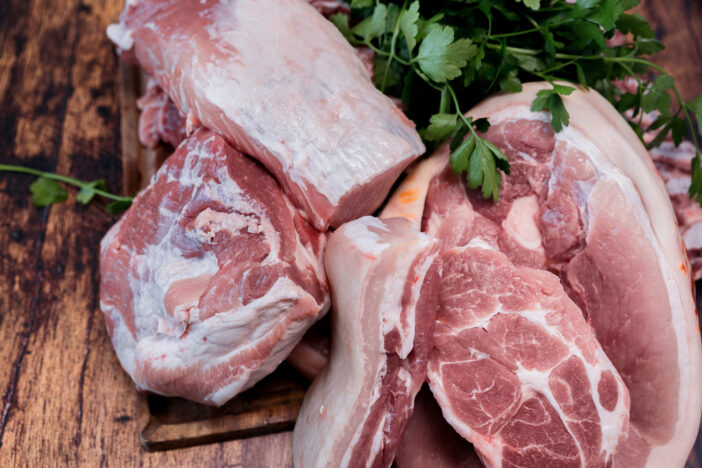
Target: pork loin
column 588, row 204
column 280, row 83
column 384, row 279
column 211, row 277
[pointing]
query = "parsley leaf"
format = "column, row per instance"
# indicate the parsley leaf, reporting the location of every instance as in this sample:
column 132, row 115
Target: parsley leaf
column 86, row 194
column 550, row 100
column 46, row 192
column 442, row 58
column 361, row 3
column 657, row 97
column 118, row 207
column 408, row 25
column 373, row 26
column 441, row 126
column 695, row 106
column 341, row 21
column 533, row 4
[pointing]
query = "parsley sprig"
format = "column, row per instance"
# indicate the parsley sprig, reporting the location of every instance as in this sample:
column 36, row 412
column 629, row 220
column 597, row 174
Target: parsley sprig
column 443, row 56
column 47, row 190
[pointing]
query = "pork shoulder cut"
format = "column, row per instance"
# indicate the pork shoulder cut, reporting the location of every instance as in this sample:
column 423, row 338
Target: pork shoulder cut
column 517, row 370
column 211, row 277
column 588, row 204
column 280, row 83
column 384, row 279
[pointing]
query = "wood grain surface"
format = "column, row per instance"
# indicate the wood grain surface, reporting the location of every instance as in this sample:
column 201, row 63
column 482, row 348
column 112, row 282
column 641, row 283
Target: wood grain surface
column 65, row 400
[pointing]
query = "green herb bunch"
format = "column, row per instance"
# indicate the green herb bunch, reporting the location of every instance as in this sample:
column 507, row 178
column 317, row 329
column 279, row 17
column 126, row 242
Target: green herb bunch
column 443, row 56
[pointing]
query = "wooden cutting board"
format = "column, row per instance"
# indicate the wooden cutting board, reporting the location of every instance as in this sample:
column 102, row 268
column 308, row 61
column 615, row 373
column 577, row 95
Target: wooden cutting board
column 167, row 423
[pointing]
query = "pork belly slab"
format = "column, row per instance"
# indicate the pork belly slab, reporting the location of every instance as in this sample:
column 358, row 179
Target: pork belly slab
column 587, row 204
column 280, row 83
column 211, row 277
column 384, row 278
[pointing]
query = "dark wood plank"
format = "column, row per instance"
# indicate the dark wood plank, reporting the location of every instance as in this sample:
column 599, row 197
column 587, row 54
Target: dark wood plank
column 679, row 25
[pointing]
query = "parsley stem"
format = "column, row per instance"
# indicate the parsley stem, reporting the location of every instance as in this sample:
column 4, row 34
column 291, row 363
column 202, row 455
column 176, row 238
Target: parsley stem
column 468, row 123
column 385, row 54
column 518, row 50
column 516, row 33
column 393, row 42
column 61, row 178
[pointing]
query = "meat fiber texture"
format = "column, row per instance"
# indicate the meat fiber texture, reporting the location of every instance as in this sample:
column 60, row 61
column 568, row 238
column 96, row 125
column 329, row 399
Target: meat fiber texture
column 517, row 370
column 588, row 204
column 280, row 83
column 211, row 277
column 384, row 277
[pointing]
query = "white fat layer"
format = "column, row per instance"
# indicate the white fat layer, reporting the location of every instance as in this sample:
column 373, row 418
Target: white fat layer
column 478, row 242
column 122, row 339
column 361, row 235
column 121, row 36
column 391, row 304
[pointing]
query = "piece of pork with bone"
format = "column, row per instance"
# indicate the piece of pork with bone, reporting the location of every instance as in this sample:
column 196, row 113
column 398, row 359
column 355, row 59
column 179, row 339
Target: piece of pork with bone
column 587, row 204
column 211, row 277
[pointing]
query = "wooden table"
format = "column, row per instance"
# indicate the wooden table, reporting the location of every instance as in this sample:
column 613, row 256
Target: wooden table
column 65, row 400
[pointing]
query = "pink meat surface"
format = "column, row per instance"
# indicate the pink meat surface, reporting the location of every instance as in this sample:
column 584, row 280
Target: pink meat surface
column 517, row 370
column 286, row 88
column 384, row 277
column 211, row 277
column 160, row 119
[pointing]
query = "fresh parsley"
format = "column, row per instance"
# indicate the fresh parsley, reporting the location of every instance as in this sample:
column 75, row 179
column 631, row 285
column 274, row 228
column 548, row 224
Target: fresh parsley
column 47, row 190
column 443, row 56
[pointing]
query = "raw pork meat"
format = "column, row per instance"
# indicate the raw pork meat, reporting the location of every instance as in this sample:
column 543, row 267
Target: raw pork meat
column 286, row 88
column 160, row 119
column 517, row 370
column 673, row 164
column 384, row 278
column 588, row 204
column 430, row 442
column 211, row 277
